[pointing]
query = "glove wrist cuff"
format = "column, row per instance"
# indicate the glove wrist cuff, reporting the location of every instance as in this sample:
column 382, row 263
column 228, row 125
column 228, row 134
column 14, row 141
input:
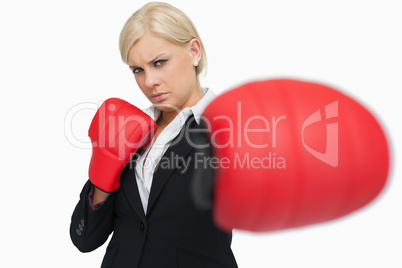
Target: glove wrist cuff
column 105, row 169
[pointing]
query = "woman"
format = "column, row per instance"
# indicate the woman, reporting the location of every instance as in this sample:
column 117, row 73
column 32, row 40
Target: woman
column 153, row 220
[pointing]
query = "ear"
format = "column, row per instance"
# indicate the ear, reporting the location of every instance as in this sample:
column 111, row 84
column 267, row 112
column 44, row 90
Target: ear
column 195, row 49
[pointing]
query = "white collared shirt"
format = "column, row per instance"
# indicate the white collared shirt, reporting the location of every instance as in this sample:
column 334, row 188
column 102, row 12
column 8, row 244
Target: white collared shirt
column 144, row 171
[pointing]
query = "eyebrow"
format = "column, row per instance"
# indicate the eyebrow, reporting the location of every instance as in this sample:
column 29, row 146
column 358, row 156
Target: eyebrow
column 149, row 62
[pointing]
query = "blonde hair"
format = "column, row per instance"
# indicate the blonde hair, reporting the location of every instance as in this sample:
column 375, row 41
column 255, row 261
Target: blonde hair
column 165, row 21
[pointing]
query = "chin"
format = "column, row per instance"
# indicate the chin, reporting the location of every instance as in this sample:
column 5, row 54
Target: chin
column 167, row 107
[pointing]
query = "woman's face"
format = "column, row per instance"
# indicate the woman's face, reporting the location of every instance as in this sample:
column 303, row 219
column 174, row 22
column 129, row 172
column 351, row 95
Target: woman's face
column 165, row 72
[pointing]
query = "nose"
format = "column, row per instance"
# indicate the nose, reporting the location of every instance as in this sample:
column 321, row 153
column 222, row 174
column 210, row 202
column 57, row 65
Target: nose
column 151, row 79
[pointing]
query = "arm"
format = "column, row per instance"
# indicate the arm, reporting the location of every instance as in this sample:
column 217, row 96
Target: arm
column 89, row 228
column 113, row 145
column 96, row 197
column 99, row 197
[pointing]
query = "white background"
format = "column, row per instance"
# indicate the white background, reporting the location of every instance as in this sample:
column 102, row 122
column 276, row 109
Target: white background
column 58, row 54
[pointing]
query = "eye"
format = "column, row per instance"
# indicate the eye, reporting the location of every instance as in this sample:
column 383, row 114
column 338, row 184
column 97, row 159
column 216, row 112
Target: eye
column 159, row 62
column 136, row 70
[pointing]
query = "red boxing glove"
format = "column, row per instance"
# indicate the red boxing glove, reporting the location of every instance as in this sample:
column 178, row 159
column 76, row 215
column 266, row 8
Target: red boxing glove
column 286, row 154
column 117, row 131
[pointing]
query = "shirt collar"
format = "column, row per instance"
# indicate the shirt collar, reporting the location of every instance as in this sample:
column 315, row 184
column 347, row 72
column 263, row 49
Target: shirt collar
column 198, row 109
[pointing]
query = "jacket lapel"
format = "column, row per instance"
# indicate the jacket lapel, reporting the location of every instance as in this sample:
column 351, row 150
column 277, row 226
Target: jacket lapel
column 131, row 188
column 176, row 155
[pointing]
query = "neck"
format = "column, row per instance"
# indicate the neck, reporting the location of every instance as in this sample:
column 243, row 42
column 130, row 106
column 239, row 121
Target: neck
column 167, row 117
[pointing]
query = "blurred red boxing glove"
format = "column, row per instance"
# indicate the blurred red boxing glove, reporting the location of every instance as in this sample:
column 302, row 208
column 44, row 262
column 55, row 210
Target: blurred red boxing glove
column 287, row 153
column 117, row 131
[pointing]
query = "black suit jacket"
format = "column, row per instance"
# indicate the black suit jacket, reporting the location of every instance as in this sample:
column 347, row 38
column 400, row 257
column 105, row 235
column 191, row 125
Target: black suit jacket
column 173, row 233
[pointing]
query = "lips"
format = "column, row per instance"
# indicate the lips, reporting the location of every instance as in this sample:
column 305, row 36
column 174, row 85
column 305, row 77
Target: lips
column 159, row 96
